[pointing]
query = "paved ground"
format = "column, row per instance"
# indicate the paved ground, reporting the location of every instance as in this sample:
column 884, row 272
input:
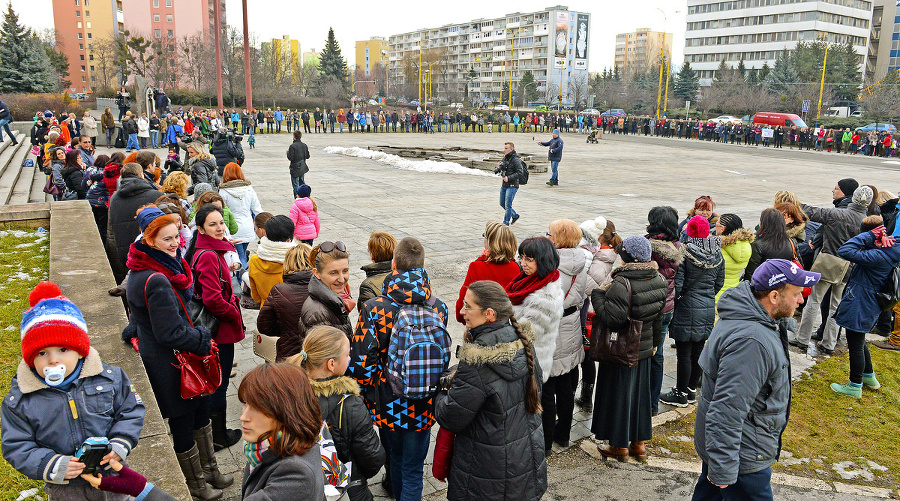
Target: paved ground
column 620, row 178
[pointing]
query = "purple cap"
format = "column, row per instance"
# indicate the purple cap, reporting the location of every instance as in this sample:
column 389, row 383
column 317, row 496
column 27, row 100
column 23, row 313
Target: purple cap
column 774, row 273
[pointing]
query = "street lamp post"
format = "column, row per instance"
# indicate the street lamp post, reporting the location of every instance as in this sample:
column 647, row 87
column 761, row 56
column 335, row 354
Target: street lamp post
column 425, row 104
column 822, row 84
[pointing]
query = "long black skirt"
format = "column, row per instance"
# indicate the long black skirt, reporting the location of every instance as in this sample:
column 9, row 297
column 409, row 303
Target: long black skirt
column 622, row 404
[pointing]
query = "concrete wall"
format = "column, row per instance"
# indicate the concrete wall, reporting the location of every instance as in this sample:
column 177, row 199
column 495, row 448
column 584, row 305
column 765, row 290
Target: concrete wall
column 79, row 265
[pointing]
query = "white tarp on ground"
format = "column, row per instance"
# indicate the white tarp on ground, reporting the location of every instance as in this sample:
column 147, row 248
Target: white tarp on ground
column 405, row 163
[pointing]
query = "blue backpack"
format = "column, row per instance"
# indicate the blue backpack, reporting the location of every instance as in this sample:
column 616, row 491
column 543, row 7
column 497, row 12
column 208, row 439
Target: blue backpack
column 419, row 352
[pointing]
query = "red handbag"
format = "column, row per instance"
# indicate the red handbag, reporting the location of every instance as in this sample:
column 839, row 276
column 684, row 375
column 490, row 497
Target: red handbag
column 201, row 375
column 806, row 290
column 443, row 454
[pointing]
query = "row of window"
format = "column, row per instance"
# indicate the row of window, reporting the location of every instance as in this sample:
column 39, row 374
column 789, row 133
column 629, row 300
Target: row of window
column 156, row 3
column 790, row 17
column 746, row 38
column 156, row 18
column 746, row 4
column 759, row 55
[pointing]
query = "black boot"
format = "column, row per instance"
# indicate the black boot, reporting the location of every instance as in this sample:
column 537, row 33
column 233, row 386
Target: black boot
column 204, row 440
column 223, row 438
column 587, row 393
column 193, row 473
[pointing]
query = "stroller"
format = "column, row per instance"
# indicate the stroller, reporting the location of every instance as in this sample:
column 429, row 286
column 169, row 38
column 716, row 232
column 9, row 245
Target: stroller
column 592, row 137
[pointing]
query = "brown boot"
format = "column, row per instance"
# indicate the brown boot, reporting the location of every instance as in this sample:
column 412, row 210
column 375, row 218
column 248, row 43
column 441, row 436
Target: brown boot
column 638, row 451
column 618, row 453
column 886, row 345
column 193, row 473
column 204, row 440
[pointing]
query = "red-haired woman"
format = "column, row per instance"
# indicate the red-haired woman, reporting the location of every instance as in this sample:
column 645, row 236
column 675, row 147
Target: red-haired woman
column 241, row 199
column 160, row 282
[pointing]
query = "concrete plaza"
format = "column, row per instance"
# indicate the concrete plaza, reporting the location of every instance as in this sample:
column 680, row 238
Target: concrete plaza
column 620, row 178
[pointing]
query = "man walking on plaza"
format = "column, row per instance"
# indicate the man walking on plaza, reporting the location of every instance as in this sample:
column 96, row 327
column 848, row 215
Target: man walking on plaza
column 511, row 169
column 746, row 369
column 554, row 155
column 298, row 154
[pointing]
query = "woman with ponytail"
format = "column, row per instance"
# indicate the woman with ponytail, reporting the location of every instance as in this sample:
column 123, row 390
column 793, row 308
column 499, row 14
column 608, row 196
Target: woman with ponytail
column 493, row 404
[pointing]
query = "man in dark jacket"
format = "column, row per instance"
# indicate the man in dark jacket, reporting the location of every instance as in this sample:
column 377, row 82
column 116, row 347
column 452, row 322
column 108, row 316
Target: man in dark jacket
column 5, row 118
column 746, row 394
column 122, row 227
column 511, row 169
column 554, row 155
column 838, row 226
column 298, row 154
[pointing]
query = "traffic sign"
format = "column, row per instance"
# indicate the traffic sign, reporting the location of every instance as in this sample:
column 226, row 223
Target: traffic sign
column 806, row 104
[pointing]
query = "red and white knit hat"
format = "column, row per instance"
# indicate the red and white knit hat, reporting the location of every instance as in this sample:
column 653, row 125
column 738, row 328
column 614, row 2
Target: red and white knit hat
column 52, row 320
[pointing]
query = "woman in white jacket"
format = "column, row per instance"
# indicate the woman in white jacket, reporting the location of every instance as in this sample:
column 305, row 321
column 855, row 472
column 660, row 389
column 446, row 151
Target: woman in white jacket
column 537, row 296
column 241, row 199
column 143, row 130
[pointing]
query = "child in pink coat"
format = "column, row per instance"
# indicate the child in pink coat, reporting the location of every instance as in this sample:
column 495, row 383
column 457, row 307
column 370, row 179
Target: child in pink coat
column 304, row 215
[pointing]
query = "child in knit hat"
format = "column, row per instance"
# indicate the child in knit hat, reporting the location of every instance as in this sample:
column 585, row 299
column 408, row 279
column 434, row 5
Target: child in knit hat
column 305, row 215
column 63, row 394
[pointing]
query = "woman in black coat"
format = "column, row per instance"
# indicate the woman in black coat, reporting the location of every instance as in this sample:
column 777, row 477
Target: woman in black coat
column 772, row 241
column 159, row 288
column 622, row 410
column 73, row 173
column 493, row 405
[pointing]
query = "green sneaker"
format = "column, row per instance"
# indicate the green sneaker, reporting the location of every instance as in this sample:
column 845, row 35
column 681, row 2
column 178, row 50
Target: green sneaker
column 848, row 388
column 870, row 381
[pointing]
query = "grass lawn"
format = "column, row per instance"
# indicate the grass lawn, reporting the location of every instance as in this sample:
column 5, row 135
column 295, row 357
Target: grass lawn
column 829, row 436
column 23, row 263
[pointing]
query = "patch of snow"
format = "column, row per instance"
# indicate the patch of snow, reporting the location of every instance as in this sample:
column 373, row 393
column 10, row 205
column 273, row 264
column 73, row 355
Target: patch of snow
column 628, row 195
column 26, row 244
column 848, row 470
column 735, row 172
column 682, row 438
column 20, row 276
column 429, row 166
column 16, row 233
column 875, row 466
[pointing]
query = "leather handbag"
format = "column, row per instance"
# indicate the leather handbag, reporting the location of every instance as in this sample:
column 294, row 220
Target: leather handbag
column 264, row 346
column 806, row 290
column 201, row 375
column 198, row 312
column 50, row 187
column 620, row 346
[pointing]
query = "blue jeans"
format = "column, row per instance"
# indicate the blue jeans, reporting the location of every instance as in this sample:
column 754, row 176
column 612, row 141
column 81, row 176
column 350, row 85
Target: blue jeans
column 507, row 194
column 755, row 486
column 132, row 143
column 154, row 138
column 4, row 124
column 241, row 248
column 295, row 183
column 555, row 167
column 656, row 364
column 407, row 456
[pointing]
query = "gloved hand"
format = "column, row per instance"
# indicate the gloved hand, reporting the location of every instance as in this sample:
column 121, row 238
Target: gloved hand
column 127, row 481
column 447, row 377
column 878, row 232
column 885, row 241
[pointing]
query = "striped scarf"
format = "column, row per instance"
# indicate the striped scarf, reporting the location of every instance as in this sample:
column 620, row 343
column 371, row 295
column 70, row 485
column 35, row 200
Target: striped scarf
column 254, row 451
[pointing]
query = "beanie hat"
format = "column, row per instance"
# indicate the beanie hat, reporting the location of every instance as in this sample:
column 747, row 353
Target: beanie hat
column 202, row 188
column 52, row 320
column 731, row 222
column 862, row 196
column 147, row 215
column 592, row 229
column 638, row 248
column 48, row 113
column 555, row 131
column 303, row 191
column 697, row 227
column 848, row 186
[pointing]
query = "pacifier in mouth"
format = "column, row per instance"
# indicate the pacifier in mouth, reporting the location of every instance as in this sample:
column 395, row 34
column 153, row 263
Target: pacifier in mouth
column 55, row 375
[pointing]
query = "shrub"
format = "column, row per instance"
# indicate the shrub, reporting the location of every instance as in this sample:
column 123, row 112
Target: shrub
column 23, row 106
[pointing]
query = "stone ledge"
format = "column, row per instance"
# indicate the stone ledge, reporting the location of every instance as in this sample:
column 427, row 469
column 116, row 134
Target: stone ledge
column 31, row 215
column 79, row 265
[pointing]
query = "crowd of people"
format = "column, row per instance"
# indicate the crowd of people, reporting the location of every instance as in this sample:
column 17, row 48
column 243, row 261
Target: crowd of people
column 533, row 310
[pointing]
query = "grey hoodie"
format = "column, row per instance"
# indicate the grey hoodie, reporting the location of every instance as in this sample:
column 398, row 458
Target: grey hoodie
column 745, row 400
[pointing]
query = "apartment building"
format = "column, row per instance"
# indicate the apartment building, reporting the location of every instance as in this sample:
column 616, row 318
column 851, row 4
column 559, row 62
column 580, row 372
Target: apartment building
column 758, row 30
column 79, row 24
column 370, row 53
column 640, row 49
column 484, row 54
column 884, row 42
column 286, row 52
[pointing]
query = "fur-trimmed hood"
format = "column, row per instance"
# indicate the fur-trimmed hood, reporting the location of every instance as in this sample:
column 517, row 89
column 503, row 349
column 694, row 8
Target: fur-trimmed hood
column 498, row 347
column 668, row 251
column 797, row 231
column 340, row 385
column 630, row 267
column 738, row 235
column 29, row 383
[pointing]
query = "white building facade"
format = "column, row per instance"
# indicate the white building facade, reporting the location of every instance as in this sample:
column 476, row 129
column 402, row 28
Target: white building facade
column 553, row 44
column 758, row 30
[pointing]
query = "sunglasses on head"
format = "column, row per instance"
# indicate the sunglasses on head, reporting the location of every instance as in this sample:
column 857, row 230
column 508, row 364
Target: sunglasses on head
column 330, row 246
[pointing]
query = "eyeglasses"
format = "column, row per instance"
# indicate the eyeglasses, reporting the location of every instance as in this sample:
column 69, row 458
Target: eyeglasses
column 167, row 205
column 526, row 259
column 330, row 246
column 469, row 308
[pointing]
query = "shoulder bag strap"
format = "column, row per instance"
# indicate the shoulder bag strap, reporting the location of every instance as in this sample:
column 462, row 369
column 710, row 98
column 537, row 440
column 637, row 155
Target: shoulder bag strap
column 571, row 284
column 177, row 296
column 628, row 289
column 218, row 268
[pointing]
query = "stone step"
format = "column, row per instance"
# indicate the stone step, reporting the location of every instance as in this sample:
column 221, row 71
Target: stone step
column 6, row 153
column 12, row 168
column 39, row 179
column 21, row 193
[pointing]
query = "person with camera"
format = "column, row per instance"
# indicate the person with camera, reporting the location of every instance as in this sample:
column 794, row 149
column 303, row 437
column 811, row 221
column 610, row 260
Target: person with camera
column 511, row 168
column 122, row 102
column 226, row 147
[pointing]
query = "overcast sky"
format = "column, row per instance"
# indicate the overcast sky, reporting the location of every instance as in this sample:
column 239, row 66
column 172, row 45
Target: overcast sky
column 354, row 20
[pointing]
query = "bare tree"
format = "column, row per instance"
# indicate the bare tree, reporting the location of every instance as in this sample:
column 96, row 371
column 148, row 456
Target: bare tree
column 194, row 58
column 580, row 90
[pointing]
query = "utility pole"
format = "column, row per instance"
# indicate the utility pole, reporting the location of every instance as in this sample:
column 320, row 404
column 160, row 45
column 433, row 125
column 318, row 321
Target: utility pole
column 217, row 26
column 822, row 85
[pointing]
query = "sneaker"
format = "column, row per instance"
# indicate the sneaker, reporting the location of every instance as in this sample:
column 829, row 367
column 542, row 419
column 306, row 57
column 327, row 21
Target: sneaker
column 869, row 381
column 886, row 345
column 848, row 388
column 514, row 219
column 823, row 350
column 691, row 396
column 675, row 397
column 799, row 344
column 549, row 183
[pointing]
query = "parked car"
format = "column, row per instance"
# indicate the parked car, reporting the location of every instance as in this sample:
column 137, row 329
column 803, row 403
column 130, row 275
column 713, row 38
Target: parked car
column 775, row 119
column 456, row 105
column 882, row 126
column 373, row 102
column 590, row 111
column 725, row 119
column 501, row 107
column 857, row 114
column 542, row 109
column 614, row 112
column 402, row 101
column 414, row 102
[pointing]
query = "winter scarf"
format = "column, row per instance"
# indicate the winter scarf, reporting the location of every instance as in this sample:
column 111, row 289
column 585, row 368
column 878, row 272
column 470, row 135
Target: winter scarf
column 709, row 244
column 143, row 257
column 255, row 450
column 273, row 251
column 349, row 303
column 523, row 285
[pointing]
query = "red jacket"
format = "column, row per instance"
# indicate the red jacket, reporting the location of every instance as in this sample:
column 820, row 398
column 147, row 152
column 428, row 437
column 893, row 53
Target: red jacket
column 217, row 295
column 479, row 269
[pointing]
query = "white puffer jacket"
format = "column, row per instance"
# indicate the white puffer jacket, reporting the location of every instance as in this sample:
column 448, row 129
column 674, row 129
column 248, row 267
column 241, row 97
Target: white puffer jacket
column 542, row 310
column 573, row 264
column 600, row 269
column 240, row 197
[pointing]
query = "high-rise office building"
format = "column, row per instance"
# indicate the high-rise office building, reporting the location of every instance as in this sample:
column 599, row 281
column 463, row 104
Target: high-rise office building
column 640, row 49
column 884, row 43
column 758, row 30
column 370, row 53
column 483, row 55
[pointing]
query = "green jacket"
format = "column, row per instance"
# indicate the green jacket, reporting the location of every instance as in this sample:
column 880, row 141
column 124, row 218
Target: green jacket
column 230, row 221
column 847, row 136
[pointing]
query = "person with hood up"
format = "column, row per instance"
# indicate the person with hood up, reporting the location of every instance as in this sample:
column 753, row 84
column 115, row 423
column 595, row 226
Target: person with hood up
column 698, row 279
column 240, row 197
column 736, row 249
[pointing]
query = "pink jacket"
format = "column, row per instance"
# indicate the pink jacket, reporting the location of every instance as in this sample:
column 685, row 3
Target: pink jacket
column 306, row 220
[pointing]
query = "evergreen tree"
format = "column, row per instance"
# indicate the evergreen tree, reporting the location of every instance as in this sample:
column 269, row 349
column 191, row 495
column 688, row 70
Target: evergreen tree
column 686, row 84
column 741, row 69
column 24, row 66
column 763, row 72
column 332, row 63
column 528, row 87
column 779, row 80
